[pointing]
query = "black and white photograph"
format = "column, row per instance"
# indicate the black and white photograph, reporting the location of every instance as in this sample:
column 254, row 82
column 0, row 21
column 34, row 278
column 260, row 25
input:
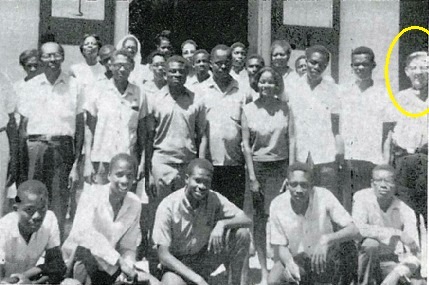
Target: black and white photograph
column 214, row 142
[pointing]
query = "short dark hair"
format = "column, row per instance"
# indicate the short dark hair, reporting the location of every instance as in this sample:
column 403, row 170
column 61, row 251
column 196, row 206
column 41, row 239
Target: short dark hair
column 317, row 48
column 300, row 166
column 298, row 59
column 31, row 187
column 220, row 47
column 27, row 54
column 124, row 157
column 236, row 45
column 415, row 55
column 199, row 51
column 164, row 35
column 281, row 43
column 199, row 163
column 383, row 167
column 256, row 56
column 153, row 54
column 364, row 50
column 176, row 58
column 277, row 78
column 97, row 40
column 192, row 42
column 123, row 52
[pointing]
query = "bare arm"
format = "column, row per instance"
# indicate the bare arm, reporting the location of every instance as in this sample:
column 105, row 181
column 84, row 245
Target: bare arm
column 91, row 123
column 254, row 185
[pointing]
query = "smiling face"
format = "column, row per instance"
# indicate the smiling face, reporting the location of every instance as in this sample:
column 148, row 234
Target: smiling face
column 32, row 211
column 51, row 57
column 267, row 84
column 301, row 66
column 363, row 66
column 165, row 48
column 417, row 72
column 280, row 57
column 198, row 184
column 121, row 67
column 121, row 176
column 316, row 65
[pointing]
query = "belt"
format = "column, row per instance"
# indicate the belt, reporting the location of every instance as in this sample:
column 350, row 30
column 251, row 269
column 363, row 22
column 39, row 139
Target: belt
column 47, row 138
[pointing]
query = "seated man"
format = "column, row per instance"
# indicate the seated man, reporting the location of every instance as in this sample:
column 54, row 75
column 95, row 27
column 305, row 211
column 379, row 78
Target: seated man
column 103, row 241
column 197, row 229
column 388, row 227
column 306, row 247
column 26, row 234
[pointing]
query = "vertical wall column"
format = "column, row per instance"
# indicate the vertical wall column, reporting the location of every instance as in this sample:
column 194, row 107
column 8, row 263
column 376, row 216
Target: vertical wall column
column 259, row 27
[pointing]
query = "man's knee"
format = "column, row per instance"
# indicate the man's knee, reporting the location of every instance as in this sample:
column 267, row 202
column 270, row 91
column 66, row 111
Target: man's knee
column 242, row 237
column 369, row 246
column 171, row 278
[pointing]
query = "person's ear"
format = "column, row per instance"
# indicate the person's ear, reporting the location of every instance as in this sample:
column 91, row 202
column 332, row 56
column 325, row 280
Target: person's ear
column 407, row 71
column 186, row 179
column 374, row 64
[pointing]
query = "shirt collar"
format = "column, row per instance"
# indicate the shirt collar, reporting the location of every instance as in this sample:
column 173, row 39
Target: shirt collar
column 232, row 85
column 166, row 92
column 62, row 78
column 129, row 91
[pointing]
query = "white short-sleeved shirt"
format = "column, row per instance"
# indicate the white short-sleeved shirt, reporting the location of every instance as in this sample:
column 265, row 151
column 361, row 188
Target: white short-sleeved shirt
column 312, row 111
column 411, row 133
column 361, row 124
column 117, row 115
column 186, row 230
column 7, row 100
column 301, row 233
column 87, row 75
column 50, row 109
column 95, row 228
column 15, row 254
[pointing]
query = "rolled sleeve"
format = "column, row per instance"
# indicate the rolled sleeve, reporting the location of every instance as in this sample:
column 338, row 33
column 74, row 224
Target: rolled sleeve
column 278, row 236
column 228, row 209
column 162, row 234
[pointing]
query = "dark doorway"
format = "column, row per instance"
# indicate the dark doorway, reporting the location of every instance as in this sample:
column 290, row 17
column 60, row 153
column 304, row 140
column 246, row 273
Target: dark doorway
column 207, row 22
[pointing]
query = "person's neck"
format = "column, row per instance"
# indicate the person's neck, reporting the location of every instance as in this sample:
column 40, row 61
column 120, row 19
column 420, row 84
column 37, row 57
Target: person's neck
column 422, row 94
column 314, row 82
column 177, row 91
column 364, row 84
column 223, row 83
column 301, row 208
column 202, row 76
column 26, row 235
column 237, row 69
column 52, row 76
column 159, row 81
column 121, row 85
column 194, row 203
column 91, row 61
column 385, row 203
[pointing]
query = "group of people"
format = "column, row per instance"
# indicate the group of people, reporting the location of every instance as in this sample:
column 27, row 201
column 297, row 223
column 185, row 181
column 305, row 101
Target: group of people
column 236, row 157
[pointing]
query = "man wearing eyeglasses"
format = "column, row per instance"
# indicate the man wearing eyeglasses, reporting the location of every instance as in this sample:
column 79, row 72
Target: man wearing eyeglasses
column 115, row 111
column 307, row 248
column 52, row 126
column 390, row 244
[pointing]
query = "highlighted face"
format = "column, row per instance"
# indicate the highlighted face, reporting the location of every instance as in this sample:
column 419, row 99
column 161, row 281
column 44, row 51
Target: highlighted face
column 198, row 184
column 362, row 66
column 238, row 57
column 158, row 66
column 299, row 185
column 417, row 72
column 316, row 65
column 267, row 84
column 131, row 46
column 176, row 74
column 121, row 176
column 32, row 211
column 383, row 183
column 90, row 47
column 31, row 66
column 202, row 63
column 221, row 64
column 253, row 66
column 301, row 66
column 188, row 51
column 165, row 48
column 121, row 67
column 51, row 56
column 280, row 57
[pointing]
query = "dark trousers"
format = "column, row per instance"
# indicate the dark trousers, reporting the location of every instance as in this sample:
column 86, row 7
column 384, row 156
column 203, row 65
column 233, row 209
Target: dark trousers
column 230, row 181
column 341, row 263
column 51, row 162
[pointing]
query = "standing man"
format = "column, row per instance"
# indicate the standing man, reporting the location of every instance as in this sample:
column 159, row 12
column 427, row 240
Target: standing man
column 156, row 61
column 307, row 248
column 53, row 126
column 365, row 110
column 254, row 63
column 390, row 241
column 315, row 103
column 224, row 100
column 197, row 229
column 238, row 71
column 176, row 124
column 201, row 65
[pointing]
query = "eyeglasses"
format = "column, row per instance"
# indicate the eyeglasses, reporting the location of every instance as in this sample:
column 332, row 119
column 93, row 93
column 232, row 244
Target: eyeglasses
column 127, row 66
column 304, row 185
column 47, row 56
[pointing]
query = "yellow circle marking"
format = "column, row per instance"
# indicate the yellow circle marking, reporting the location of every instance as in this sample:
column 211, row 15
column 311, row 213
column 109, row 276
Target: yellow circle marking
column 386, row 74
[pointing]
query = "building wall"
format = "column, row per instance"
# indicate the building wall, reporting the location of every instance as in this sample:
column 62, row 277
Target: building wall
column 373, row 24
column 19, row 20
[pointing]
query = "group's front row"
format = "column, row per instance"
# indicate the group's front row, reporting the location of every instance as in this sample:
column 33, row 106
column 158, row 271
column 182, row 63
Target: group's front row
column 315, row 240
